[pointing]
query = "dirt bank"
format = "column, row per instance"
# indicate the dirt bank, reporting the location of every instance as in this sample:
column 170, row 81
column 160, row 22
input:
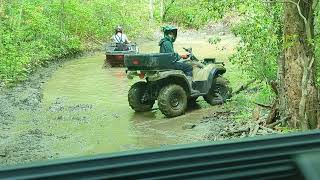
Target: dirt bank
column 20, row 144
column 21, row 137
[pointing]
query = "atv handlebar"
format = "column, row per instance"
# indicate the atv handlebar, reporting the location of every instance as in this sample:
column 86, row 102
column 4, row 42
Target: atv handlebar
column 191, row 56
column 189, row 50
column 219, row 63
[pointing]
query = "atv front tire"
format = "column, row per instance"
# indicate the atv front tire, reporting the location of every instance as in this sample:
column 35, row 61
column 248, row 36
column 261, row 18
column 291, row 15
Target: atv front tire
column 172, row 100
column 192, row 101
column 135, row 96
column 219, row 92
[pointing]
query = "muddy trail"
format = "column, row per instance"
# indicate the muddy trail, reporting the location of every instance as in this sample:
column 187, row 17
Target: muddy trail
column 78, row 108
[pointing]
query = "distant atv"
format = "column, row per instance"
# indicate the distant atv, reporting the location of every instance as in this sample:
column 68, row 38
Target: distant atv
column 115, row 53
column 173, row 90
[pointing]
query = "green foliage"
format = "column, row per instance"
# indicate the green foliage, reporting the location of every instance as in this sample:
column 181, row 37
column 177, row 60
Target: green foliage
column 261, row 40
column 33, row 32
column 186, row 13
column 265, row 95
column 194, row 14
column 243, row 103
column 260, row 30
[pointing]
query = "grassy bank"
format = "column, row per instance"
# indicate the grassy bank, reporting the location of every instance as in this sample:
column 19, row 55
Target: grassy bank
column 35, row 32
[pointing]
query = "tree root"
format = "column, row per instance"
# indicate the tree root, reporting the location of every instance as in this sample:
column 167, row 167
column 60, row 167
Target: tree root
column 274, row 113
column 248, row 130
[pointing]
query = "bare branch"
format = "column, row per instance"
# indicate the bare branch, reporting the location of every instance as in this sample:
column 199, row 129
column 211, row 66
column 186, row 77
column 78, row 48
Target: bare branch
column 244, row 86
column 263, row 105
column 310, row 65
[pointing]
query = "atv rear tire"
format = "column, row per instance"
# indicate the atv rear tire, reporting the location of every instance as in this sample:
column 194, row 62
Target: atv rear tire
column 172, row 100
column 219, row 92
column 135, row 95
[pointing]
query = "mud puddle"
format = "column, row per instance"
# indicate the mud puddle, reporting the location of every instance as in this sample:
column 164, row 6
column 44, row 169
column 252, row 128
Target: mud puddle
column 82, row 109
column 88, row 105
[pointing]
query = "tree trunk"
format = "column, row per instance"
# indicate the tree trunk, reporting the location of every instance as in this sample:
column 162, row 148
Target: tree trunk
column 299, row 98
column 161, row 10
column 151, row 10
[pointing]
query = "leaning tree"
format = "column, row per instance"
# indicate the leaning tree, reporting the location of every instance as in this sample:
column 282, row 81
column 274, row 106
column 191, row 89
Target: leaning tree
column 298, row 94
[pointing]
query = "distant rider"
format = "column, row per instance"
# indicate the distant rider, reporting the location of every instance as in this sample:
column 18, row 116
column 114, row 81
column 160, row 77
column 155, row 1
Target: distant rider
column 119, row 36
column 166, row 46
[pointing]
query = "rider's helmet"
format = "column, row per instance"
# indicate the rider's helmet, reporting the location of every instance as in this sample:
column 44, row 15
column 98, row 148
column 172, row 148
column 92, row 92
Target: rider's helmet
column 118, row 29
column 170, row 29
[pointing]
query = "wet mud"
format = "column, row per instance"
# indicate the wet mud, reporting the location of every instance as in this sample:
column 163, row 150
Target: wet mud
column 79, row 107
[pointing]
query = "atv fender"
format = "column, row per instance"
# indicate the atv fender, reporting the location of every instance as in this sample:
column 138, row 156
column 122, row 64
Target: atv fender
column 172, row 77
column 204, row 77
column 215, row 72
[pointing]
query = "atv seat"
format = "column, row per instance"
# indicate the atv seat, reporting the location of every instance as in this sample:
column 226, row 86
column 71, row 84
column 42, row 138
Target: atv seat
column 121, row 47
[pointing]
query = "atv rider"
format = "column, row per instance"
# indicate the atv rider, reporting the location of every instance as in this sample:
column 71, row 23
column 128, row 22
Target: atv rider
column 166, row 46
column 119, row 36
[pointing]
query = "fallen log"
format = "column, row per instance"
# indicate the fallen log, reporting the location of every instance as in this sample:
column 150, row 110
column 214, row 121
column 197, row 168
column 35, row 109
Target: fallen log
column 277, row 122
column 243, row 87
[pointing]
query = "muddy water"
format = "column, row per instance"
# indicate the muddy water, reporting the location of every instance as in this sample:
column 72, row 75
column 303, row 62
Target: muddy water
column 87, row 107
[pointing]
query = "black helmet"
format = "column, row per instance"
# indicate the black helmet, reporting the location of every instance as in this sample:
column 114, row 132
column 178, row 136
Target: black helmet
column 118, row 29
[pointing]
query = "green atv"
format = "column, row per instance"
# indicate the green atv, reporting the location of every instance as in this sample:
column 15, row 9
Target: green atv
column 172, row 88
